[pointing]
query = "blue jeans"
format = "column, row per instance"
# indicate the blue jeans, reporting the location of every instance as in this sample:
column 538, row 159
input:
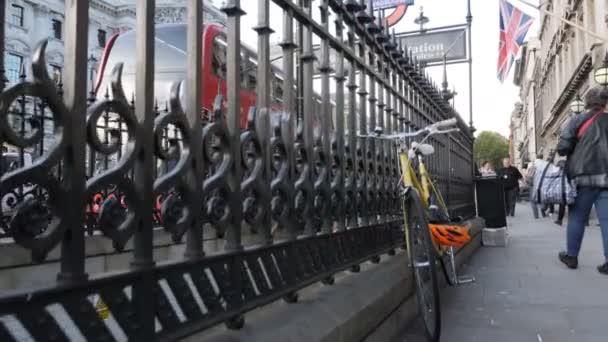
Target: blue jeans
column 533, row 204
column 586, row 197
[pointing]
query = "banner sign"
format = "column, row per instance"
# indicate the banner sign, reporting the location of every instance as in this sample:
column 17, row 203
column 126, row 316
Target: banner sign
column 430, row 47
column 384, row 4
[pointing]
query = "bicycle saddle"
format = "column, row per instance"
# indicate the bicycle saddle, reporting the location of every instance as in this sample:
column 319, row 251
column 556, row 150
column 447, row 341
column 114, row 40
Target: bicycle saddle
column 424, row 149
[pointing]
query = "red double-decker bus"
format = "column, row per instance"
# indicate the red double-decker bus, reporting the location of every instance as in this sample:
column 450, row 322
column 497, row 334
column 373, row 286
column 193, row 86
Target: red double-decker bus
column 170, row 66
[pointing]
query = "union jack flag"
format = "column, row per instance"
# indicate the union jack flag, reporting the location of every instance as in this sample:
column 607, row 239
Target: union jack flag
column 514, row 25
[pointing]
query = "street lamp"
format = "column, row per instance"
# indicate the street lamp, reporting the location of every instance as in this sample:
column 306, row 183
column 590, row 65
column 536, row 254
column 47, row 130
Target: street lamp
column 577, row 106
column 601, row 74
column 422, row 19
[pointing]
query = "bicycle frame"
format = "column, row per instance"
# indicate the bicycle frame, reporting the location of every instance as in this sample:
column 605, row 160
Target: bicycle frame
column 423, row 184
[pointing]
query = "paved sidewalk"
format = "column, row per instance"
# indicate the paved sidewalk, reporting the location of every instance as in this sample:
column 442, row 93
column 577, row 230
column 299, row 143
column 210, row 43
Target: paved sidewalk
column 523, row 293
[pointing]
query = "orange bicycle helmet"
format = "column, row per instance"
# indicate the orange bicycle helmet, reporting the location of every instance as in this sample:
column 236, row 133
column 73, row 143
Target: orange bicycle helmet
column 450, row 235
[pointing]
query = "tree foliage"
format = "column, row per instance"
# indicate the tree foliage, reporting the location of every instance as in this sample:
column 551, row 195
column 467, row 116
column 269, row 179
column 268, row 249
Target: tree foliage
column 492, row 147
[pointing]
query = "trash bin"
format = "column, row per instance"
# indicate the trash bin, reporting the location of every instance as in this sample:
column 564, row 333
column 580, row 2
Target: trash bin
column 491, row 201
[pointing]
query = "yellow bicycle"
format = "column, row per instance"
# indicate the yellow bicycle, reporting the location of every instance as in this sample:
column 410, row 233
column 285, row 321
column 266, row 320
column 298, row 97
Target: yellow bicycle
column 429, row 231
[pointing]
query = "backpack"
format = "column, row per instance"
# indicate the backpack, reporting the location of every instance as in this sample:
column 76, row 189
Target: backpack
column 554, row 187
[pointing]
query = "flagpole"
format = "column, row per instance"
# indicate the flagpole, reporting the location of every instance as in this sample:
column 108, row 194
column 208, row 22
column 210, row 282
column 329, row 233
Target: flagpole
column 573, row 24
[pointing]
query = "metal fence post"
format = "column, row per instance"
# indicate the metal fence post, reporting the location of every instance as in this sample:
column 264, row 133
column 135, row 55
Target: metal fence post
column 233, row 242
column 352, row 135
column 75, row 97
column 339, row 156
column 322, row 181
column 307, row 64
column 264, row 111
column 144, row 97
column 234, row 12
column 194, row 88
column 144, row 110
column 362, row 160
column 379, row 145
column 143, row 291
column 289, row 121
column 371, row 143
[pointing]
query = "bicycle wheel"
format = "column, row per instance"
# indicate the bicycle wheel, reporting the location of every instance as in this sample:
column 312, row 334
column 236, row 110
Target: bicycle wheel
column 423, row 258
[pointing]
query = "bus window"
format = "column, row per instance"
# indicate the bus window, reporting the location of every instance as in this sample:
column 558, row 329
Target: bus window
column 277, row 88
column 219, row 57
column 252, row 71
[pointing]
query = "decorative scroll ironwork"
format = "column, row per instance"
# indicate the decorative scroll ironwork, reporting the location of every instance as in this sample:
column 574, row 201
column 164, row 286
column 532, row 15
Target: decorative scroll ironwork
column 37, row 223
column 303, row 184
column 176, row 209
column 281, row 188
column 119, row 213
column 320, row 198
column 252, row 188
column 218, row 159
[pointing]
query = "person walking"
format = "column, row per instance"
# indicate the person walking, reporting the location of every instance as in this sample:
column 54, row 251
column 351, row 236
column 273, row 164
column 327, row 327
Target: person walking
column 533, row 176
column 510, row 176
column 584, row 141
column 546, row 207
column 561, row 212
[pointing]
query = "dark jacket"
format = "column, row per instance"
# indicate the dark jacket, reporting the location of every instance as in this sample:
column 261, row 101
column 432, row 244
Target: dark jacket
column 510, row 177
column 588, row 156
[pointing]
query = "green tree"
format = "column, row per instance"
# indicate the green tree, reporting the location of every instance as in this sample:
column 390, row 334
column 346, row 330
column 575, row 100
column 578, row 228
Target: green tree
column 492, row 147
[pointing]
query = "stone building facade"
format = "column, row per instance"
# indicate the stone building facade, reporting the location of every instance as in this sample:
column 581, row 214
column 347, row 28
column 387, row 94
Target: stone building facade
column 552, row 70
column 30, row 21
column 523, row 139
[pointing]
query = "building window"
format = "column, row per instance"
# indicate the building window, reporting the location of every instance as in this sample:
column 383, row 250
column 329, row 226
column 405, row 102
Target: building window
column 101, row 38
column 16, row 17
column 56, row 29
column 12, row 65
column 218, row 63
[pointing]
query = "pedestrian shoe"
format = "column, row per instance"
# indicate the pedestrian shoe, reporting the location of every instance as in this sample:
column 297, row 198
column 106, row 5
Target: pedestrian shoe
column 570, row 261
column 558, row 222
column 603, row 269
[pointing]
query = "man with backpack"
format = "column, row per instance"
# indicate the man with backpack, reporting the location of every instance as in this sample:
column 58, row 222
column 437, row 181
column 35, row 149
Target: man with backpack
column 584, row 140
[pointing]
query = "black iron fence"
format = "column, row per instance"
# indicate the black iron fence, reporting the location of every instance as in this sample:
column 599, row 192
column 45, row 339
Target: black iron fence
column 319, row 199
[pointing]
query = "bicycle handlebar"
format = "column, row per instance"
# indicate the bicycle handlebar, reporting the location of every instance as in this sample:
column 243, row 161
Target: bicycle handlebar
column 441, row 127
column 445, row 124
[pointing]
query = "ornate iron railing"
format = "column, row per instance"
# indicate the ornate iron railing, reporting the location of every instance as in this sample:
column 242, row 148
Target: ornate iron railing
column 319, row 202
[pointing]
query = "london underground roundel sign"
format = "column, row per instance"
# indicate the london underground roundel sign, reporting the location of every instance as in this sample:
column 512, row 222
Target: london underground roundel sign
column 400, row 7
column 397, row 15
